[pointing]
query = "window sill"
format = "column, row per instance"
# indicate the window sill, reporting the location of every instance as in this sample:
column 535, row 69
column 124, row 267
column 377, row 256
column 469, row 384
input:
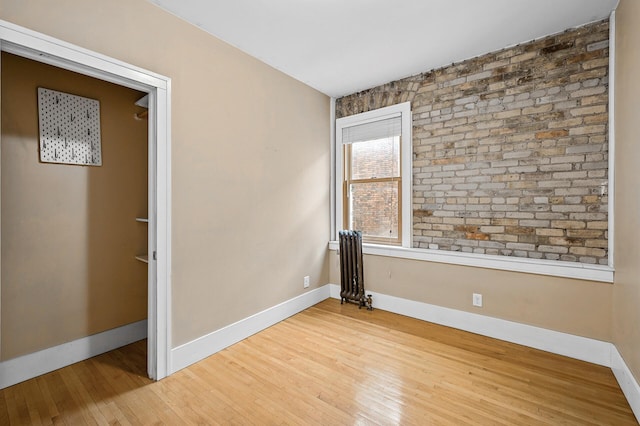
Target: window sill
column 581, row 271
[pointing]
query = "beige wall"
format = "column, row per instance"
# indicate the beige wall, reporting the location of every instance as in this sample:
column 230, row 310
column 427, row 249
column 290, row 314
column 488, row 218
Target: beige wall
column 250, row 158
column 69, row 234
column 626, row 297
column 571, row 306
column 250, row 184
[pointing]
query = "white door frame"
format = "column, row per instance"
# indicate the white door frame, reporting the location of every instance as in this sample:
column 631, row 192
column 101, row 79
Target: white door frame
column 42, row 48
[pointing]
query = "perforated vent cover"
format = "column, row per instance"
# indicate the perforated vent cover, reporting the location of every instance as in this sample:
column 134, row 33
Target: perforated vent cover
column 69, row 128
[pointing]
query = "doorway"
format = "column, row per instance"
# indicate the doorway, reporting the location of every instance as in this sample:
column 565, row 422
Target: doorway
column 42, row 48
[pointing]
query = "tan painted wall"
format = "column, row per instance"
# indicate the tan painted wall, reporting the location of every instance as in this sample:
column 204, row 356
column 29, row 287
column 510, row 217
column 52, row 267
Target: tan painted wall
column 69, row 234
column 626, row 297
column 250, row 150
column 251, row 184
column 571, row 306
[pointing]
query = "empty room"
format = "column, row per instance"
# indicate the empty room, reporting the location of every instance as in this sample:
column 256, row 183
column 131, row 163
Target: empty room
column 319, row 212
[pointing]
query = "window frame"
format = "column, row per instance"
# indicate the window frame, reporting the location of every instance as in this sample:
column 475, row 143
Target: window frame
column 348, row 180
column 405, row 221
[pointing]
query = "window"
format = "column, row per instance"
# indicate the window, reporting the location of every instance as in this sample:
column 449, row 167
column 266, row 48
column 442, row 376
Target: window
column 374, row 150
column 372, row 186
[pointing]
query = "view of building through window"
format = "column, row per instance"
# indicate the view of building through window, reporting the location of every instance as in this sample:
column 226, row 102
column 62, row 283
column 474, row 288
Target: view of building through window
column 374, row 187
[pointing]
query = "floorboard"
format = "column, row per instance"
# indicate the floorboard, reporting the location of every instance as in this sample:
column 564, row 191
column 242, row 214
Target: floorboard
column 331, row 364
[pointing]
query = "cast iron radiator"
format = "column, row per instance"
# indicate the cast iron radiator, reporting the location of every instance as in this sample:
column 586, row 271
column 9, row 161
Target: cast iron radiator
column 351, row 270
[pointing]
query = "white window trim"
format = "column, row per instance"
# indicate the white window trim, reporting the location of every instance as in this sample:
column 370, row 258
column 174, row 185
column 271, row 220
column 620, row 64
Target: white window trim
column 612, row 136
column 404, row 111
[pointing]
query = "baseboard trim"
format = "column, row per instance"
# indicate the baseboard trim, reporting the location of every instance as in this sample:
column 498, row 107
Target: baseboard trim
column 582, row 348
column 205, row 346
column 32, row 365
column 626, row 380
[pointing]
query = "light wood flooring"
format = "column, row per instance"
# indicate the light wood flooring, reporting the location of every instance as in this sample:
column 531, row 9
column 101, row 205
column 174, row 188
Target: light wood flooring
column 331, row 365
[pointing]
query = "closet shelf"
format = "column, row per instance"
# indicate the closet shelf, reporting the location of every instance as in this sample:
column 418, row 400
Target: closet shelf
column 144, row 103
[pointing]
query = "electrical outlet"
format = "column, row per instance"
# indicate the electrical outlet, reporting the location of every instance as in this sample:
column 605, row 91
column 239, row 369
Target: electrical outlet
column 477, row 300
column 306, row 281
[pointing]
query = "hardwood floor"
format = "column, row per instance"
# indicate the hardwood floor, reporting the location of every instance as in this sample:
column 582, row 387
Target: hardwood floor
column 331, row 365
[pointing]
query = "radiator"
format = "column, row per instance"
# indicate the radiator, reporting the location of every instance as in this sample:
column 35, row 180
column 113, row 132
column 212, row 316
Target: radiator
column 352, row 271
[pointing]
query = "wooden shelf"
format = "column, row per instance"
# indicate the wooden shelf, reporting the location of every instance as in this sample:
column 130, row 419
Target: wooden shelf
column 142, row 219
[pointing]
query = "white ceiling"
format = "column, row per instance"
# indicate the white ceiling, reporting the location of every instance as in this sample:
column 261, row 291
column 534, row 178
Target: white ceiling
column 343, row 46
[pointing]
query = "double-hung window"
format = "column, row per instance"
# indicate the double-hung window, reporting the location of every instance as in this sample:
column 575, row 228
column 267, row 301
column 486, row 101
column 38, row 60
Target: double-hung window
column 374, row 174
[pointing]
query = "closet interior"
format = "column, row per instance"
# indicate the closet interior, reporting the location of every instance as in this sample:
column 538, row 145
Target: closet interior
column 73, row 236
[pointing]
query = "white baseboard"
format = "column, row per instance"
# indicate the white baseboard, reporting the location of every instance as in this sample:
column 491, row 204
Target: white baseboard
column 582, row 348
column 626, row 380
column 196, row 350
column 28, row 366
column 19, row 369
column 590, row 350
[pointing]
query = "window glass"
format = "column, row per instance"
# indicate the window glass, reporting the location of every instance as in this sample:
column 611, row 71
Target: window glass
column 375, row 209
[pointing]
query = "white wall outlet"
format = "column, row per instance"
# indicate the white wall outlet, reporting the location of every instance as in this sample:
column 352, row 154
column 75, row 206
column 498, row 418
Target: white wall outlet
column 477, row 299
column 306, row 281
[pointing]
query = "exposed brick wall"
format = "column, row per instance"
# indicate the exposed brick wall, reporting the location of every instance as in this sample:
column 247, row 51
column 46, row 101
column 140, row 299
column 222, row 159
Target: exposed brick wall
column 510, row 148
